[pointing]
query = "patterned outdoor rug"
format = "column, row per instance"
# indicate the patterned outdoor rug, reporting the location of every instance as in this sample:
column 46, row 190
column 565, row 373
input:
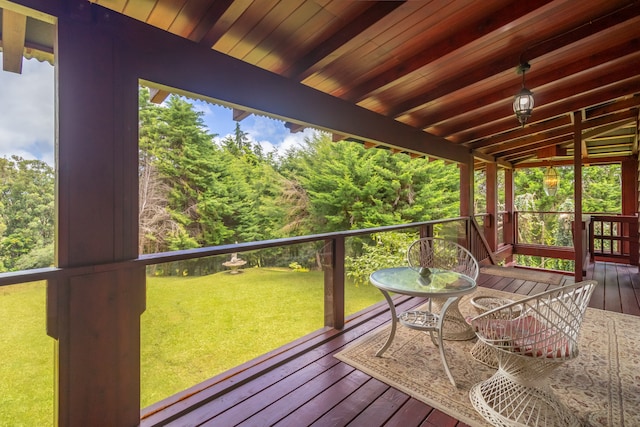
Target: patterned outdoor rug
column 524, row 274
column 602, row 385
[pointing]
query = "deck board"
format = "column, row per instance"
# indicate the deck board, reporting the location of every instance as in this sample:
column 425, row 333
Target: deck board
column 305, row 385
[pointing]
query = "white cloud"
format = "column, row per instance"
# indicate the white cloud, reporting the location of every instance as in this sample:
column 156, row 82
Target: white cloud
column 295, row 139
column 27, row 112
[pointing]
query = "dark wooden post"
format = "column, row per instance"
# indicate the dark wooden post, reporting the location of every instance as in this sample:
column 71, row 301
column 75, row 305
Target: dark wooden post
column 95, row 317
column 490, row 226
column 507, row 223
column 334, row 283
column 466, row 195
column 578, row 243
column 629, row 170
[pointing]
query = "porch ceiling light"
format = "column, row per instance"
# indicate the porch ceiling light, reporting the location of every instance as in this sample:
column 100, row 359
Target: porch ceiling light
column 523, row 101
column 550, row 181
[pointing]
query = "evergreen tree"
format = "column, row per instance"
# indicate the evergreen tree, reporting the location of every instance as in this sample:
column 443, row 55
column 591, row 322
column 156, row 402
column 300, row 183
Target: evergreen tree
column 26, row 213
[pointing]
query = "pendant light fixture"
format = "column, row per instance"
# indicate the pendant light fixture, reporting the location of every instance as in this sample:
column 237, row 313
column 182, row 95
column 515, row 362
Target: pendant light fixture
column 523, row 101
column 550, row 181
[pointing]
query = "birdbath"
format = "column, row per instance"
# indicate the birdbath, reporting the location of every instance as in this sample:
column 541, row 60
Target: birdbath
column 234, row 264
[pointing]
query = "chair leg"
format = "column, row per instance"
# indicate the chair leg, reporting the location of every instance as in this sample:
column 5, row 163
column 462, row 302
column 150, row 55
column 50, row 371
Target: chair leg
column 521, row 398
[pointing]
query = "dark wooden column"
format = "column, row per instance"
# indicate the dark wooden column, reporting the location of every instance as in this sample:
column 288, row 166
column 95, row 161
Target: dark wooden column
column 508, row 226
column 95, row 315
column 629, row 186
column 490, row 229
column 334, row 301
column 466, row 187
column 578, row 243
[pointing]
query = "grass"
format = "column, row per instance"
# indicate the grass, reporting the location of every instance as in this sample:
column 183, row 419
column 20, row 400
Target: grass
column 26, row 368
column 193, row 328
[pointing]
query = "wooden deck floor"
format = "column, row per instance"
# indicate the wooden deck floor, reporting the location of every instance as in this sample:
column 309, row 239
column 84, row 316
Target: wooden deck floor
column 303, row 384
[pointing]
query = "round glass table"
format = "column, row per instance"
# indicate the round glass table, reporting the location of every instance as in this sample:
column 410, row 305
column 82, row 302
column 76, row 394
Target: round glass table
column 429, row 283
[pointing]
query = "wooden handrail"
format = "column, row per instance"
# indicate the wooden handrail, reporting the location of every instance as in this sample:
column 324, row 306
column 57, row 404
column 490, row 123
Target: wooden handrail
column 333, row 259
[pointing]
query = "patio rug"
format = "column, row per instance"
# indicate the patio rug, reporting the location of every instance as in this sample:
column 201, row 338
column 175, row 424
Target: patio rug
column 601, row 385
column 524, row 274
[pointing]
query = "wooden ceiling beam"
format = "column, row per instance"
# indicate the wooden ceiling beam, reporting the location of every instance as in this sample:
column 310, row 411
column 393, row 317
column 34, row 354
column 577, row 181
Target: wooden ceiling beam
column 522, row 133
column 294, row 127
column 606, row 160
column 185, row 68
column 636, row 137
column 510, row 154
column 575, row 100
column 605, row 120
column 530, row 140
column 206, row 32
column 373, row 13
column 484, row 26
column 553, row 94
column 538, row 79
column 613, row 107
column 506, row 62
column 601, row 130
column 157, row 96
column 14, row 29
column 239, row 115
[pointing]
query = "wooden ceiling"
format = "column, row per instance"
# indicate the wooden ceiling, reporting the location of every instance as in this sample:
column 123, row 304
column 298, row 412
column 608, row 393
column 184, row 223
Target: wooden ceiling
column 445, row 67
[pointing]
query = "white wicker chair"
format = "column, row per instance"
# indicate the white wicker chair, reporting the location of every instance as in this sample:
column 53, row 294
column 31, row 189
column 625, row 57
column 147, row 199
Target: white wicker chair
column 529, row 346
column 432, row 252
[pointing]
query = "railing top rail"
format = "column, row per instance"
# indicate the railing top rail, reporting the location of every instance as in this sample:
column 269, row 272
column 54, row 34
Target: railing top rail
column 614, row 218
column 571, row 212
column 11, row 278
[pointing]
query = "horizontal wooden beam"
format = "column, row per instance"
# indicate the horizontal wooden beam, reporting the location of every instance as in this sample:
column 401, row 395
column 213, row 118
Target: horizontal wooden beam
column 169, row 62
column 240, row 115
column 14, row 29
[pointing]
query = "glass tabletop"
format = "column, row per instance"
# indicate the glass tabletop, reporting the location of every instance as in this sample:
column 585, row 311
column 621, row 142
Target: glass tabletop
column 428, row 282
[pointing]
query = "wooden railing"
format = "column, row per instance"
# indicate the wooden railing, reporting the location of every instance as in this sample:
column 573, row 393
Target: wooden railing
column 464, row 230
column 614, row 238
column 607, row 237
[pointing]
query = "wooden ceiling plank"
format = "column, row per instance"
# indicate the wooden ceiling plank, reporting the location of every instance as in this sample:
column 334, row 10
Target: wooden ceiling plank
column 140, row 10
column 532, row 139
column 496, row 93
column 603, row 120
column 510, row 155
column 284, row 40
column 519, row 133
column 185, row 22
column 506, row 63
column 546, row 97
column 238, row 33
column 484, row 26
column 272, row 15
column 165, row 13
column 263, row 91
column 636, row 136
column 570, row 100
column 14, row 29
column 369, row 16
column 218, row 19
column 611, row 107
column 601, row 130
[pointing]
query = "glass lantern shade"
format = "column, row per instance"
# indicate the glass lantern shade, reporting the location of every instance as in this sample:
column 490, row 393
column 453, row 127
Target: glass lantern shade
column 550, row 181
column 523, row 105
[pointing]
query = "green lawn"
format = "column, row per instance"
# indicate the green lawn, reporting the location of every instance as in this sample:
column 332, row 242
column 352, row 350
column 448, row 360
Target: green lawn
column 193, row 329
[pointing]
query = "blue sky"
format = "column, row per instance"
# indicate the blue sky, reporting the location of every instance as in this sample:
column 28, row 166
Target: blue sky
column 27, row 117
